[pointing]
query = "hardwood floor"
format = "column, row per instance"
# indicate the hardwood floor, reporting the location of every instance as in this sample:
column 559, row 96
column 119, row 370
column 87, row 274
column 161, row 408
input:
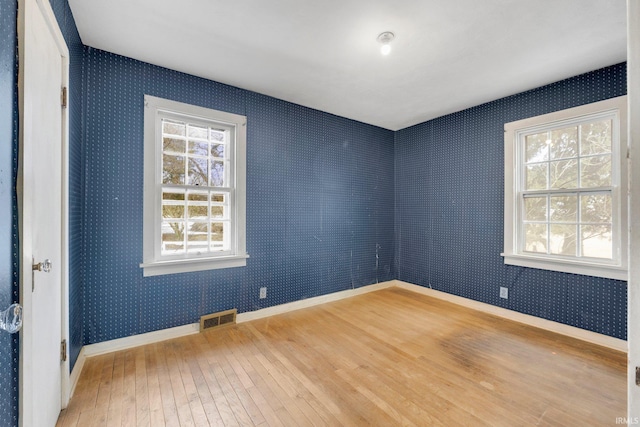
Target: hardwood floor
column 391, row 357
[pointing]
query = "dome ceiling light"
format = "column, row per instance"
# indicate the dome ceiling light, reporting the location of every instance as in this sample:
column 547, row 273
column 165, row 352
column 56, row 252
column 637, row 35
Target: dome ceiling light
column 386, row 38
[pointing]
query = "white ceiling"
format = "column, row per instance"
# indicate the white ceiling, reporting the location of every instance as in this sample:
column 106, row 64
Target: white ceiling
column 448, row 55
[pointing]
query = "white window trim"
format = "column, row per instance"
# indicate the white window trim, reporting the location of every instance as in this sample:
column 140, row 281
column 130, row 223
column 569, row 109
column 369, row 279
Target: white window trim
column 616, row 269
column 152, row 265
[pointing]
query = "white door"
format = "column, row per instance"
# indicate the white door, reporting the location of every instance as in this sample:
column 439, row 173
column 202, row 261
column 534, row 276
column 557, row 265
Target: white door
column 41, row 78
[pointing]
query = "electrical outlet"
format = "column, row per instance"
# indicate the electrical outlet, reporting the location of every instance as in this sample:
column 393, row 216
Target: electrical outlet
column 263, row 293
column 504, row 292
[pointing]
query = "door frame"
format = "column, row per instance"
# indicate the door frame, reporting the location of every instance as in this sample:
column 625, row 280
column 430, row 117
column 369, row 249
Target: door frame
column 633, row 283
column 24, row 222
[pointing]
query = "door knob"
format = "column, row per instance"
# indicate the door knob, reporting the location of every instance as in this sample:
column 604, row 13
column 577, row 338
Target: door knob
column 11, row 318
column 44, row 266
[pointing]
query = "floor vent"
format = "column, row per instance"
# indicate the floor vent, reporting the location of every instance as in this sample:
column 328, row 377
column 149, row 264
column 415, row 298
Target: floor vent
column 215, row 320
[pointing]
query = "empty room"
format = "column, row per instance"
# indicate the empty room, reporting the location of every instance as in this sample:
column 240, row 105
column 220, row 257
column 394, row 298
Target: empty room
column 416, row 213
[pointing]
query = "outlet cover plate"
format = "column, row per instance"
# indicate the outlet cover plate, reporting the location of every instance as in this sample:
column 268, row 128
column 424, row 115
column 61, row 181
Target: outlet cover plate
column 263, row 293
column 504, row 292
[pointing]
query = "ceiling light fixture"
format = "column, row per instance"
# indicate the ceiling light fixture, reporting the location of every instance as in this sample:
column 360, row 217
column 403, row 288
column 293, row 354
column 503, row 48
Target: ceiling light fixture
column 386, row 38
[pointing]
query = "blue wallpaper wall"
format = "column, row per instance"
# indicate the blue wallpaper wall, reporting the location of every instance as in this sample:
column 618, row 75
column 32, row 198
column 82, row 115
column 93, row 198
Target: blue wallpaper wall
column 8, row 221
column 449, row 184
column 320, row 212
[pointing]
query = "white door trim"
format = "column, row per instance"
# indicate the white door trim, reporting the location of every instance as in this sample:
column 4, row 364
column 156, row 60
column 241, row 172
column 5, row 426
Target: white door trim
column 25, row 279
column 633, row 290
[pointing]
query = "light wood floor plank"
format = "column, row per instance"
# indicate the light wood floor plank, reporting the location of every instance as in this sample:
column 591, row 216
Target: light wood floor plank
column 129, row 389
column 183, row 357
column 214, row 401
column 231, row 369
column 236, row 406
column 177, row 386
column 387, row 358
column 156, row 415
column 169, row 408
column 142, row 392
column 302, row 384
column 116, row 392
column 287, row 412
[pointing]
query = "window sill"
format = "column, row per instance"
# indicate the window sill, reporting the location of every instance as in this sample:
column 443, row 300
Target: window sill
column 588, row 269
column 159, row 268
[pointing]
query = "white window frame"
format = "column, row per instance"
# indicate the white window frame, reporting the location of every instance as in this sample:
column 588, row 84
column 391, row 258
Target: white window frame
column 513, row 179
column 154, row 263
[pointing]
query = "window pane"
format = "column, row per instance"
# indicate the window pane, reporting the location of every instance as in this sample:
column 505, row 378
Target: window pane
column 197, row 237
column 198, row 211
column 198, row 196
column 535, row 238
column 172, row 211
column 217, row 211
column 596, row 208
column 172, row 169
column 217, row 135
column 173, row 195
column 197, row 231
column 535, row 208
column 198, row 205
column 217, row 174
column 536, row 177
column 563, row 209
column 172, row 237
column 563, row 239
column 198, row 171
column 595, row 171
column 217, row 236
column 199, row 148
column 563, row 174
column 199, row 132
column 217, row 231
column 536, row 147
column 564, row 143
column 597, row 241
column 173, row 128
column 173, row 145
column 172, row 204
column 217, row 150
column 218, row 198
column 595, row 138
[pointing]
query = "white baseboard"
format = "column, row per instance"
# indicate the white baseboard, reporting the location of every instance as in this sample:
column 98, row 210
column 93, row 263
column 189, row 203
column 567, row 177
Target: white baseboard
column 140, row 339
column 547, row 325
column 310, row 302
column 193, row 328
column 75, row 372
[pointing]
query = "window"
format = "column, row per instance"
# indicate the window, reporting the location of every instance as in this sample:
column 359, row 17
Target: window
column 194, row 188
column 566, row 191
